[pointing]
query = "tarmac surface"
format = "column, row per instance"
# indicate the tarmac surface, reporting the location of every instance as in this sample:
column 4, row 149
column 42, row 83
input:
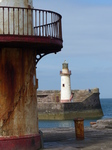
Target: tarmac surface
column 65, row 139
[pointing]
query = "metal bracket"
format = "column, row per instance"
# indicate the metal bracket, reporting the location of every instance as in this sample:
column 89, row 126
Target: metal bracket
column 39, row 56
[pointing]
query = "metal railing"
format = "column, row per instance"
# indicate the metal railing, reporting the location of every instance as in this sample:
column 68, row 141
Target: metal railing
column 68, row 72
column 30, row 22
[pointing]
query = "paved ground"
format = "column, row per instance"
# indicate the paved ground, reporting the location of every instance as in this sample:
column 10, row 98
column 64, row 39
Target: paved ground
column 64, row 139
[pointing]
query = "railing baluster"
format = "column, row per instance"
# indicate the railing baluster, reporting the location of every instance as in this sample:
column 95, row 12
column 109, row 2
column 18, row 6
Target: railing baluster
column 35, row 21
column 37, row 31
column 43, row 24
column 54, row 25
column 18, row 21
column 60, row 30
column 51, row 25
column 8, row 22
column 13, row 23
column 23, row 20
column 3, row 20
column 31, row 21
column 49, row 31
column 27, row 22
column 46, row 25
column 56, row 29
column 39, row 23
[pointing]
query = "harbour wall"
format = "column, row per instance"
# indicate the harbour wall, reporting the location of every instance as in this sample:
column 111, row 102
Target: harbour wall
column 85, row 103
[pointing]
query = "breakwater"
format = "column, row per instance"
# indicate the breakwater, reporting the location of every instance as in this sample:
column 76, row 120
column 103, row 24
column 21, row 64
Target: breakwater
column 85, row 103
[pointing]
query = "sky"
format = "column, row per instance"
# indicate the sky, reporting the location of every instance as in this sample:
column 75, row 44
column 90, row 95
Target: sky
column 87, row 46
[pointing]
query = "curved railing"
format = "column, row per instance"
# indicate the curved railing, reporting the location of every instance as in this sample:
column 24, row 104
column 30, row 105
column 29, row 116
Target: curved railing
column 30, row 22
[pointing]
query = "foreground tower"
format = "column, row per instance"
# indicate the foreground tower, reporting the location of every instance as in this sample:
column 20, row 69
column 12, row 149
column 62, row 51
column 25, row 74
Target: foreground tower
column 65, row 83
column 25, row 33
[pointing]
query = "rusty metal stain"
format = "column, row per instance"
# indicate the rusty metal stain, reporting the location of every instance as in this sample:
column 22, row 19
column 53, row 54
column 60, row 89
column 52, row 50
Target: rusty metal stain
column 17, row 92
column 79, row 128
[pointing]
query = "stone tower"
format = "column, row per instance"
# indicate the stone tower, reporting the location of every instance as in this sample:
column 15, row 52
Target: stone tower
column 65, row 83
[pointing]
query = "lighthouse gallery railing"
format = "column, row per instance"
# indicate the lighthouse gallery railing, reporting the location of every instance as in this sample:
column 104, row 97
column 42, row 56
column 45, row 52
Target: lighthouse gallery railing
column 30, row 22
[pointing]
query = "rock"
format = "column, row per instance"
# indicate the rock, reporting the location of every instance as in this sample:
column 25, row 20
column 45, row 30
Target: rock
column 92, row 123
column 102, row 123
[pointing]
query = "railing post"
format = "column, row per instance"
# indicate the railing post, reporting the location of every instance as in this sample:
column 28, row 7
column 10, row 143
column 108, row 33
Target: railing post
column 13, row 22
column 51, row 25
column 18, row 21
column 35, row 22
column 46, row 25
column 23, row 20
column 39, row 23
column 3, row 20
column 60, row 29
column 31, row 21
column 8, row 23
column 27, row 22
column 43, row 24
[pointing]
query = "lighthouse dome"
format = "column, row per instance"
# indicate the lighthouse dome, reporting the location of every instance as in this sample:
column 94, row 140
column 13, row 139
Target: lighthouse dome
column 65, row 65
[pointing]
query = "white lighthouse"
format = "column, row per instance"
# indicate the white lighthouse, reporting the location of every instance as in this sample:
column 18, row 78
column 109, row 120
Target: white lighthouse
column 65, row 83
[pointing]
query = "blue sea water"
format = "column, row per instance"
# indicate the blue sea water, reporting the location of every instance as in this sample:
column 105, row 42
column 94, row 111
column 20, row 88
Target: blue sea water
column 106, row 105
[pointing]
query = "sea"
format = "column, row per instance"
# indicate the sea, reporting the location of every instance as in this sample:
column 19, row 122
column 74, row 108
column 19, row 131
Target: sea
column 106, row 104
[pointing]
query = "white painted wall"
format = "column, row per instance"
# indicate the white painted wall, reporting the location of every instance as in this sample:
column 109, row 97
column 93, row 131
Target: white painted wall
column 66, row 90
column 16, row 3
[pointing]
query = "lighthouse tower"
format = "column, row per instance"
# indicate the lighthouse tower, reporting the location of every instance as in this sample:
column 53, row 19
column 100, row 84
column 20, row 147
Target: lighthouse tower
column 65, row 83
column 26, row 35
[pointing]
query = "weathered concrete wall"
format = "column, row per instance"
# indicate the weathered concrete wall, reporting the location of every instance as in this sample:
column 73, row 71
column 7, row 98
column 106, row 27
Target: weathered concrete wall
column 17, row 3
column 55, row 95
column 51, row 108
column 48, row 96
column 10, row 21
column 18, row 102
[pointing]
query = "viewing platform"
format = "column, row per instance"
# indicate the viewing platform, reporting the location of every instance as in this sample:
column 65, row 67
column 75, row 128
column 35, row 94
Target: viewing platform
column 45, row 36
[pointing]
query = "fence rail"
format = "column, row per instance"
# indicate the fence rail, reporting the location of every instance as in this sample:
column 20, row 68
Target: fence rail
column 31, row 22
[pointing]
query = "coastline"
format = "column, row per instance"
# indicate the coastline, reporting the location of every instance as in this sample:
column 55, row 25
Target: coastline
column 99, row 137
